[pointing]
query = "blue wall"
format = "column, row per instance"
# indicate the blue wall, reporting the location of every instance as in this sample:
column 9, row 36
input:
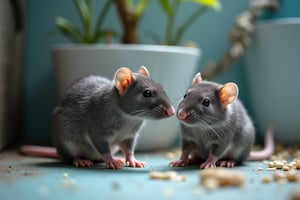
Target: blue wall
column 40, row 95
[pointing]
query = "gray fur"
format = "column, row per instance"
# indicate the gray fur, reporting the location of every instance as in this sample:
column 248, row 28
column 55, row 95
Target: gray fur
column 227, row 134
column 94, row 119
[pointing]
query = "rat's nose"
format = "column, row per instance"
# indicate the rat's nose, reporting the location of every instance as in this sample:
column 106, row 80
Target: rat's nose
column 170, row 111
column 181, row 114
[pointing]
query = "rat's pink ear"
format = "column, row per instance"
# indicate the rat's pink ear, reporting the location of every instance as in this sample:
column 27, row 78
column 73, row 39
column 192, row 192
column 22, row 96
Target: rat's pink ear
column 143, row 70
column 123, row 79
column 197, row 79
column 228, row 93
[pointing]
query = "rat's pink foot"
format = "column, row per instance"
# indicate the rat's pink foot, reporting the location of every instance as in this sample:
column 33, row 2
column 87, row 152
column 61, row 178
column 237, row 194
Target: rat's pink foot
column 113, row 163
column 226, row 163
column 209, row 163
column 186, row 160
column 136, row 163
column 78, row 162
column 179, row 163
column 132, row 162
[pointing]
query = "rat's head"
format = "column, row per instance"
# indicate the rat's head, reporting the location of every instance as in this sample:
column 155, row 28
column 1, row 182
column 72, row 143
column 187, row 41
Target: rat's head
column 206, row 103
column 140, row 96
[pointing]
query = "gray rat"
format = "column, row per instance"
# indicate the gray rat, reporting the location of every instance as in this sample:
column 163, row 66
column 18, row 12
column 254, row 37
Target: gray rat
column 215, row 127
column 98, row 116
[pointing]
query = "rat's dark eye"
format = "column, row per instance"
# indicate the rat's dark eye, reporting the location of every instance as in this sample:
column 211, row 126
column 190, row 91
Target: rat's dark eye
column 206, row 102
column 184, row 96
column 147, row 93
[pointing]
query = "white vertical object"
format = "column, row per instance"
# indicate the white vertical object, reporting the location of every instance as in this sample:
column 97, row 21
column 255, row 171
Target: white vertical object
column 273, row 78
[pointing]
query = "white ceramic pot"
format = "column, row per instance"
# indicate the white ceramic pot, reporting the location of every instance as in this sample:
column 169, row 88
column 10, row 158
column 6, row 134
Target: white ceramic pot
column 272, row 74
column 172, row 66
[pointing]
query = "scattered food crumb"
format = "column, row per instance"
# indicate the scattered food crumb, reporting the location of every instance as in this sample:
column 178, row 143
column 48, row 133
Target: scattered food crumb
column 260, row 169
column 285, row 168
column 173, row 154
column 295, row 194
column 289, row 176
column 170, row 155
column 169, row 175
column 266, row 179
column 277, row 176
column 212, row 179
column 65, row 175
column 68, row 183
column 266, row 162
column 278, row 164
column 286, row 153
column 211, row 183
column 284, row 165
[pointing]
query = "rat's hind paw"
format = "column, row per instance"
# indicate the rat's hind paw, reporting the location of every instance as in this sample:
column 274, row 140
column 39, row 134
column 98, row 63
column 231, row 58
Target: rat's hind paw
column 136, row 163
column 132, row 162
column 210, row 162
column 226, row 163
column 78, row 162
column 115, row 163
column 207, row 165
column 179, row 163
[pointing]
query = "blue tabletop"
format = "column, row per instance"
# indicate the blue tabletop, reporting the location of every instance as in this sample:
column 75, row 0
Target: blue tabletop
column 43, row 178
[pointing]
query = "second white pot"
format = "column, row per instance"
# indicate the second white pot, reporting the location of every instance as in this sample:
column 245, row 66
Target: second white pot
column 273, row 68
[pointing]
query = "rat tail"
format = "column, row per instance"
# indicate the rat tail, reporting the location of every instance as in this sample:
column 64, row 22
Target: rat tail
column 39, row 151
column 268, row 149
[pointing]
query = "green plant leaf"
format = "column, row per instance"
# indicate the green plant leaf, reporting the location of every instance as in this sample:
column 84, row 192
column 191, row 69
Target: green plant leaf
column 68, row 29
column 141, row 7
column 209, row 3
column 89, row 3
column 84, row 8
column 128, row 3
column 166, row 6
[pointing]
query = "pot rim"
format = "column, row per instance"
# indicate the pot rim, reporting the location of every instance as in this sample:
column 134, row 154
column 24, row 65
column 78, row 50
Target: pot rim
column 280, row 21
column 127, row 47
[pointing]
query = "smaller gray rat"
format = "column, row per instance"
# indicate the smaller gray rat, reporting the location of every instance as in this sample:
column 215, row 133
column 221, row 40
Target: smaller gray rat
column 98, row 116
column 215, row 127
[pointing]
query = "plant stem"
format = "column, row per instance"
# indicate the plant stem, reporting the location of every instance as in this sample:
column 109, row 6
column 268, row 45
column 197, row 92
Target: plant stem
column 188, row 22
column 129, row 23
column 171, row 23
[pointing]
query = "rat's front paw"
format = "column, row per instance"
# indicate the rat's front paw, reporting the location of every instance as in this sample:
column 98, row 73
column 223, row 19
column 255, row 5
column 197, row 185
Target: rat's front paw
column 132, row 162
column 210, row 162
column 113, row 162
column 226, row 163
column 179, row 163
column 207, row 165
column 78, row 162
